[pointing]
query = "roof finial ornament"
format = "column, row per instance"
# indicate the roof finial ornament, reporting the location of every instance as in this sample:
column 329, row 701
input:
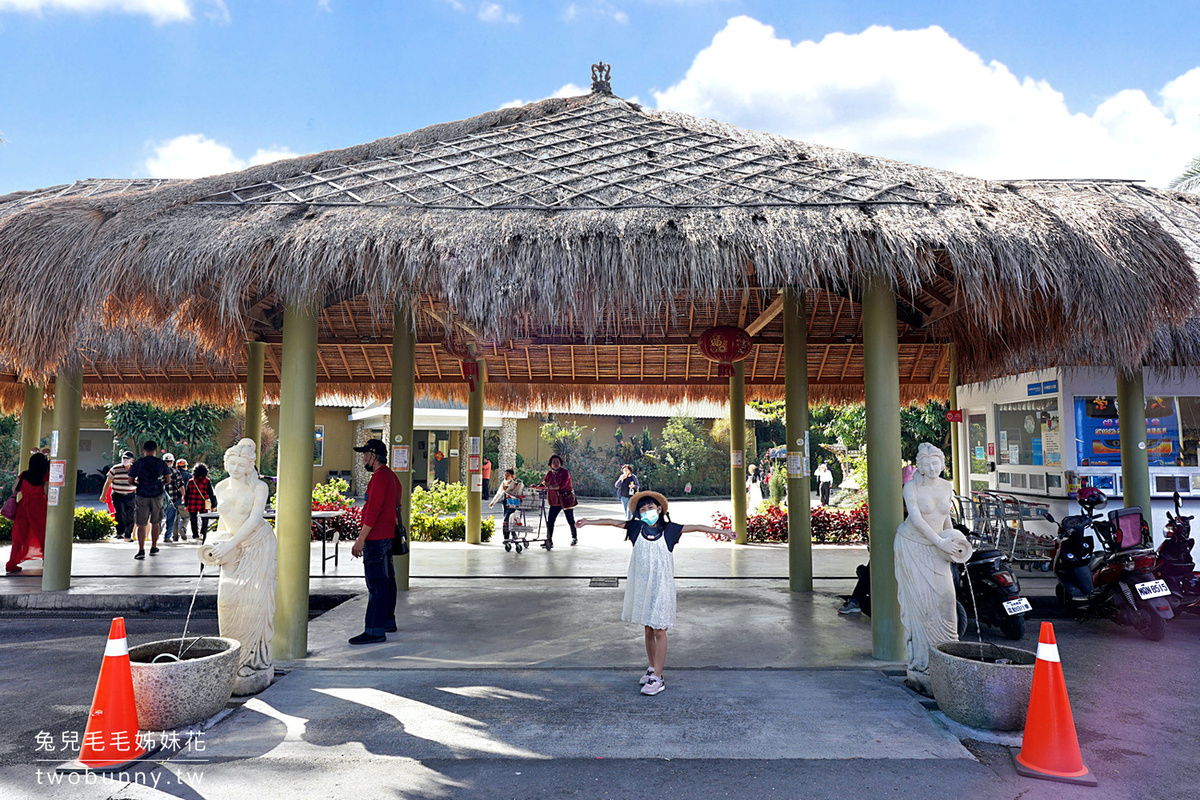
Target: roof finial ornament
column 600, row 74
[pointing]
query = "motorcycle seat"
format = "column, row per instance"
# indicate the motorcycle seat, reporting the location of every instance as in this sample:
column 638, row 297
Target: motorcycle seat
column 986, row 555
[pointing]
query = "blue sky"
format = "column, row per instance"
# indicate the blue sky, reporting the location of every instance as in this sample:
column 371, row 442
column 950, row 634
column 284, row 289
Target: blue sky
column 98, row 88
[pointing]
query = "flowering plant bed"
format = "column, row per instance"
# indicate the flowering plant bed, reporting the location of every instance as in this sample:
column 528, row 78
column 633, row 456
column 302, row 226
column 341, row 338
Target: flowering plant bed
column 829, row 525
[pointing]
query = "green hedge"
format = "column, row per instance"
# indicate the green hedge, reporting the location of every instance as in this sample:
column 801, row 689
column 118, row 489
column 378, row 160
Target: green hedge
column 90, row 526
column 431, row 528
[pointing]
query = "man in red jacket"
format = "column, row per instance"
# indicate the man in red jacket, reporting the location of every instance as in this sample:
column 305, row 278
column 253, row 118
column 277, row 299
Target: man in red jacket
column 374, row 544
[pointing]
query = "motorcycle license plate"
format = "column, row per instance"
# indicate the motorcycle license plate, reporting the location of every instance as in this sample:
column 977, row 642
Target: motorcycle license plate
column 1018, row 606
column 1151, row 589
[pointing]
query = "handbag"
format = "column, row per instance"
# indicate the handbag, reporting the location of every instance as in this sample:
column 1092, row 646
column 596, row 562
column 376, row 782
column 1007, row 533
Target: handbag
column 400, row 542
column 9, row 509
column 567, row 498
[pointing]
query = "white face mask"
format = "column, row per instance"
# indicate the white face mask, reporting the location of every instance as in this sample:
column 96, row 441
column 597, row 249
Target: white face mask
column 650, row 516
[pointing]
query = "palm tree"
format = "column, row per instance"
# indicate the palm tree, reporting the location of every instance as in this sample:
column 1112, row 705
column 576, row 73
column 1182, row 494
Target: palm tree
column 1189, row 181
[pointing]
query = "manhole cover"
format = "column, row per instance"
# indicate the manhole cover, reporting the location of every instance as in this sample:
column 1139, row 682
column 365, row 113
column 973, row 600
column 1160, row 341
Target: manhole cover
column 603, row 583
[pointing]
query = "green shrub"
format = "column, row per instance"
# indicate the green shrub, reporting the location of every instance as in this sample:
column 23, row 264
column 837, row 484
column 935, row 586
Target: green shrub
column 778, row 483
column 94, row 526
column 90, row 526
column 439, row 499
column 432, row 528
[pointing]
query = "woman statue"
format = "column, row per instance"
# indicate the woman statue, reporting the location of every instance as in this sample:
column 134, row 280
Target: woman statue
column 926, row 543
column 244, row 546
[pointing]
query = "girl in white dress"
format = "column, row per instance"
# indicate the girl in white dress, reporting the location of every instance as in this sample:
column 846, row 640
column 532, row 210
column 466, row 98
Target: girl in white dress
column 650, row 585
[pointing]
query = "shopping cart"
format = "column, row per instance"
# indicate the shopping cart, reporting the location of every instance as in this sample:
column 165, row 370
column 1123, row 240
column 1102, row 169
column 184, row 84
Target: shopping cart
column 999, row 520
column 521, row 531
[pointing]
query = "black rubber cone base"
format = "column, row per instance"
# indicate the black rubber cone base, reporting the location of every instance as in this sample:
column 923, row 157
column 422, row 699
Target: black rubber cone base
column 1087, row 779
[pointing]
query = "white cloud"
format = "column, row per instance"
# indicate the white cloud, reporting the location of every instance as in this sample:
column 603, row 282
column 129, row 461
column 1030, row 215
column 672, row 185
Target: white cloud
column 566, row 90
column 494, row 12
column 455, row 4
column 577, row 11
column 161, row 11
column 921, row 96
column 325, row 5
column 194, row 155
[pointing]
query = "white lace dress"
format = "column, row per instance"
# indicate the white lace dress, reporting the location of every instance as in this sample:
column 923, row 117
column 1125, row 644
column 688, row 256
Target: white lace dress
column 650, row 587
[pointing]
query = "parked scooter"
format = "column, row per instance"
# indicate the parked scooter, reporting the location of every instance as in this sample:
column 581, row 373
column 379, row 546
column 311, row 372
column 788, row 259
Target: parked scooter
column 1175, row 565
column 993, row 592
column 1116, row 584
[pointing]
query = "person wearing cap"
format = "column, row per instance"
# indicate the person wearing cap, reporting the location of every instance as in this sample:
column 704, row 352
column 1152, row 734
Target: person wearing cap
column 650, row 585
column 374, row 544
column 169, row 513
column 122, row 489
column 178, row 498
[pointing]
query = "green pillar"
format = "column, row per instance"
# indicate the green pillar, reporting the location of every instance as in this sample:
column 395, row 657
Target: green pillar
column 31, row 423
column 297, row 402
column 795, row 398
column 955, row 427
column 737, row 445
column 881, row 366
column 404, row 356
column 1135, row 461
column 60, row 513
column 255, row 360
column 475, row 456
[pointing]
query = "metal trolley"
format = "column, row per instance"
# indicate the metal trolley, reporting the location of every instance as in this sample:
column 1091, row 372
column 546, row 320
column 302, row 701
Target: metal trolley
column 999, row 520
column 521, row 532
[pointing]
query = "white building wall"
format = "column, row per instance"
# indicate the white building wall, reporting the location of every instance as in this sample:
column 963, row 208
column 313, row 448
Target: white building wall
column 985, row 397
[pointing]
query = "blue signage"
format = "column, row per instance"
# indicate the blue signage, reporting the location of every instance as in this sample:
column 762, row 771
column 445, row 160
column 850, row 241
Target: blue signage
column 1098, row 432
column 1049, row 387
column 1035, row 389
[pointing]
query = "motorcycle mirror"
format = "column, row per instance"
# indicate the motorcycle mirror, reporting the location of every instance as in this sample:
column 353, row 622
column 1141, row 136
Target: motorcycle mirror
column 1049, row 517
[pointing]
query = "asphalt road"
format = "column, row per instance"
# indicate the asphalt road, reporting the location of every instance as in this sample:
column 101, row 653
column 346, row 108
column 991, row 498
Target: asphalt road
column 1135, row 702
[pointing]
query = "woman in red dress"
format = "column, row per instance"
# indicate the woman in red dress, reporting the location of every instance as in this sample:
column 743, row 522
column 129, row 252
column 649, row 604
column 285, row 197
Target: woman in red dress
column 29, row 526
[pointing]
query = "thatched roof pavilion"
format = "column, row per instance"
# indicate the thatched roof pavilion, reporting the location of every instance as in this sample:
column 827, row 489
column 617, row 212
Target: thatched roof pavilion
column 583, row 243
column 579, row 247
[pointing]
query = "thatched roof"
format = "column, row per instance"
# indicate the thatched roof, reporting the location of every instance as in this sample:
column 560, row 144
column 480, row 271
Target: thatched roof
column 583, row 244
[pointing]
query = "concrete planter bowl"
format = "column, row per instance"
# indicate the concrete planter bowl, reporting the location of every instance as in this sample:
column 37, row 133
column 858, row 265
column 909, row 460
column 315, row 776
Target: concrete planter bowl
column 174, row 694
column 978, row 693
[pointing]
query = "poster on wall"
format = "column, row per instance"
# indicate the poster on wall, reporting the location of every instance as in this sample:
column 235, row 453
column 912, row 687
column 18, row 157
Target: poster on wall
column 400, row 458
column 735, row 458
column 1098, row 432
column 476, row 482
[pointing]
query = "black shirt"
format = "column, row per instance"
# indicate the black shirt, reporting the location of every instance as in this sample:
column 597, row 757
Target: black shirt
column 671, row 531
column 147, row 473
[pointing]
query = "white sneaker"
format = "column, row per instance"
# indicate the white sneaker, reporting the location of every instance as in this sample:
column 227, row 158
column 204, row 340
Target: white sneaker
column 654, row 686
column 647, row 676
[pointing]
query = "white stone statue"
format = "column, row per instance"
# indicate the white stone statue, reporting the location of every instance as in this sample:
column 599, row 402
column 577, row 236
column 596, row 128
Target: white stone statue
column 926, row 543
column 244, row 546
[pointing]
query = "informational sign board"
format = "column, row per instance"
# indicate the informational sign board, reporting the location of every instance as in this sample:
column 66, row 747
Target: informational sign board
column 454, row 452
column 473, row 465
column 954, row 415
column 58, row 473
column 991, row 449
column 476, row 482
column 735, row 458
column 54, row 444
column 52, row 495
column 795, row 464
column 400, row 458
column 473, row 446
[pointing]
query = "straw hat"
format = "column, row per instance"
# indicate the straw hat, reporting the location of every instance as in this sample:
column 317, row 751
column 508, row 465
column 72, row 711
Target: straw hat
column 640, row 496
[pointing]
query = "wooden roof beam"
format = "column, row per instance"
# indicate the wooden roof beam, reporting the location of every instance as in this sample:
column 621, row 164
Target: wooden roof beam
column 771, row 312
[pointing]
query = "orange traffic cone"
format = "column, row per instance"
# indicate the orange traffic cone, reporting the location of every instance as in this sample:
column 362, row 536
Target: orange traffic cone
column 1050, row 748
column 111, row 739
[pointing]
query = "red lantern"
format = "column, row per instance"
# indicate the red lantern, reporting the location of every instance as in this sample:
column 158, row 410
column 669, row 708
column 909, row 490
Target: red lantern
column 725, row 345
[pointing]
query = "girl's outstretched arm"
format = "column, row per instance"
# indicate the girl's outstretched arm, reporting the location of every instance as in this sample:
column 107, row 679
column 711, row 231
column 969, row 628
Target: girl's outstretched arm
column 615, row 523
column 727, row 535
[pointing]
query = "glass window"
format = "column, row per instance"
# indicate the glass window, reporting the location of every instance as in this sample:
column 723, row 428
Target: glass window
column 1029, row 434
column 977, row 434
column 319, row 446
column 1189, row 429
column 1098, row 432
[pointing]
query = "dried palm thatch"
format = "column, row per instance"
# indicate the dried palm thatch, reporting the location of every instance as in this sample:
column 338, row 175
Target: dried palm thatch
column 586, row 213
